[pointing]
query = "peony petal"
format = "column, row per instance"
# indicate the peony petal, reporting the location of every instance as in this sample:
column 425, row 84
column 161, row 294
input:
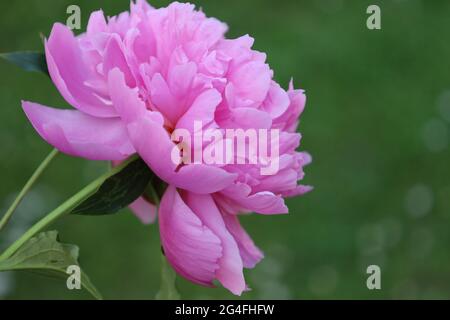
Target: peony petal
column 202, row 110
column 251, row 82
column 163, row 98
column 144, row 210
column 250, row 253
column 96, row 23
column 144, row 45
column 210, row 31
column 199, row 178
column 277, row 100
column 248, row 118
column 230, row 271
column 237, row 49
column 180, row 79
column 289, row 119
column 78, row 134
column 282, row 181
column 145, row 127
column 140, row 7
column 114, row 57
column 125, row 100
column 69, row 73
column 261, row 202
column 298, row 191
column 191, row 247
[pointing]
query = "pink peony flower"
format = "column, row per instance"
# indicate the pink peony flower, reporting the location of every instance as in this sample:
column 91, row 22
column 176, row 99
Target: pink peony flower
column 135, row 78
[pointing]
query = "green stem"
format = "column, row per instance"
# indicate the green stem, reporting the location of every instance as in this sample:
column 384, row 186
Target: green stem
column 153, row 194
column 27, row 187
column 168, row 290
column 64, row 208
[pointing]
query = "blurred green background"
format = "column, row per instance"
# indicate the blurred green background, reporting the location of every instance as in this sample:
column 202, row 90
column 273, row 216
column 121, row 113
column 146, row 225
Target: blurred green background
column 377, row 124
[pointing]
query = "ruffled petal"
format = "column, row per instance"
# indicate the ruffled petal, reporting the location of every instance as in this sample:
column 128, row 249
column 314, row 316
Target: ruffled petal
column 144, row 210
column 199, row 178
column 125, row 100
column 298, row 191
column 70, row 74
column 265, row 202
column 163, row 99
column 190, row 246
column 145, row 128
column 79, row 134
column 251, row 83
column 114, row 57
column 250, row 253
column 202, row 110
column 289, row 120
column 277, row 100
column 96, row 23
column 247, row 118
column 230, row 264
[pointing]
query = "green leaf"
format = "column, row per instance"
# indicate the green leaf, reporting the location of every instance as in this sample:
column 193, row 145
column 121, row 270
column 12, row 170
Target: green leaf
column 155, row 190
column 107, row 194
column 119, row 190
column 46, row 255
column 27, row 60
